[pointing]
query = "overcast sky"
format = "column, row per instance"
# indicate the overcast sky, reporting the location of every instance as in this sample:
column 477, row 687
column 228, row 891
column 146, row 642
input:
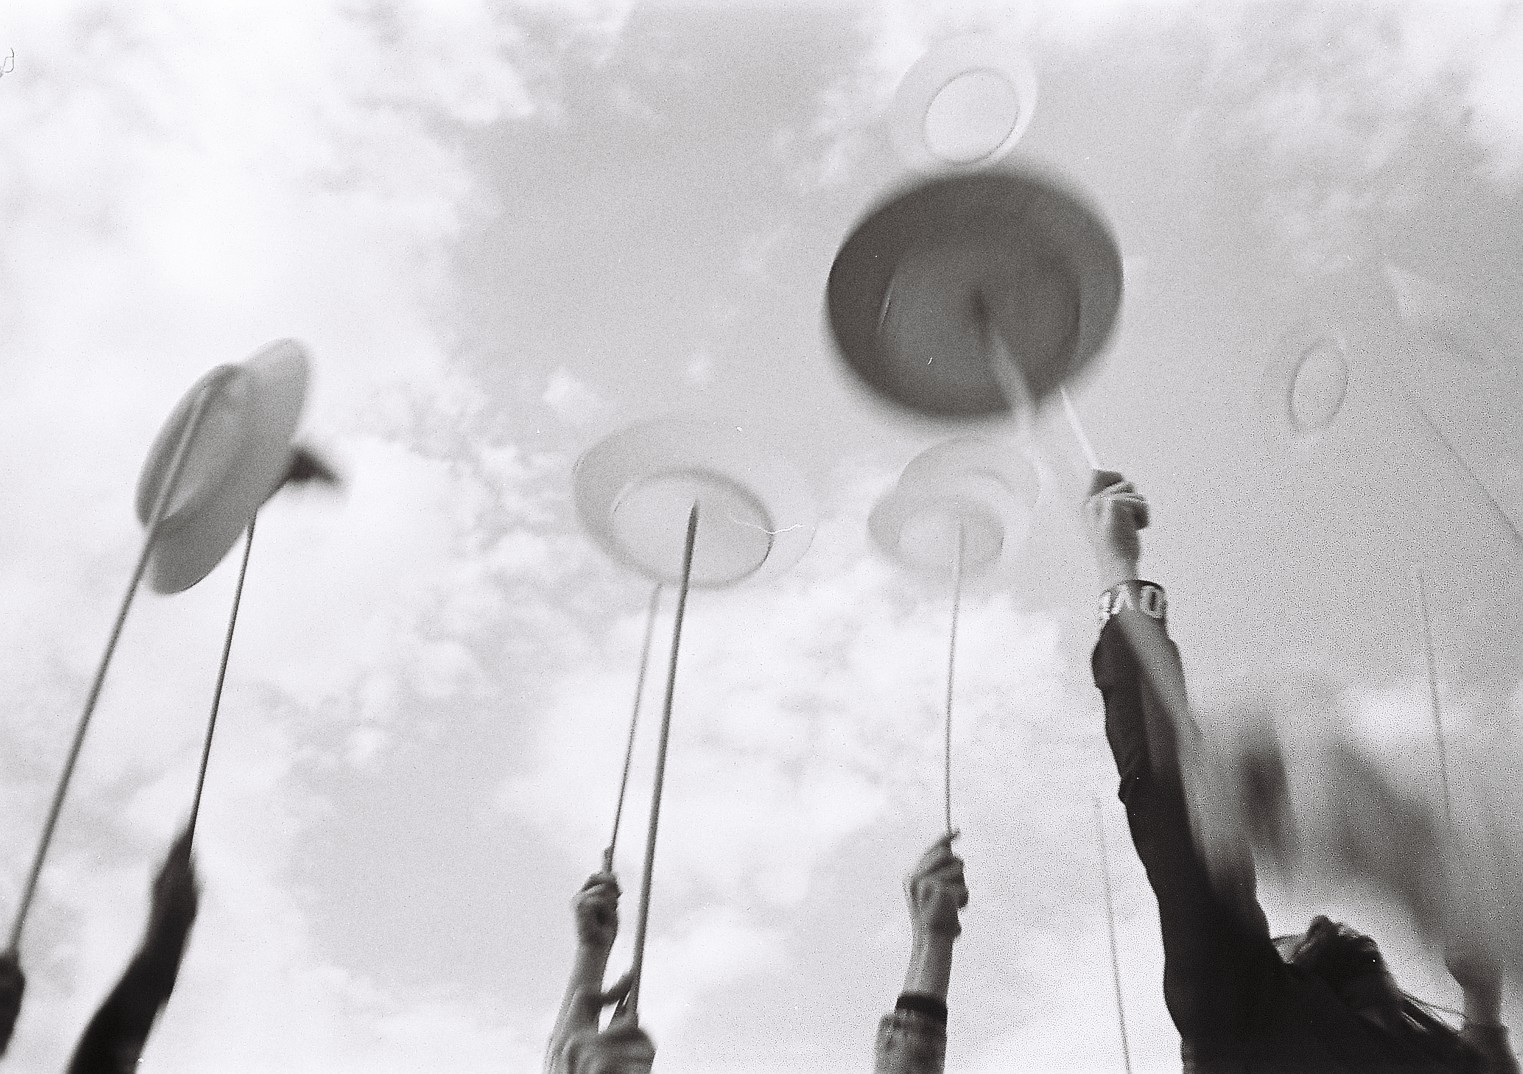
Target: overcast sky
column 506, row 230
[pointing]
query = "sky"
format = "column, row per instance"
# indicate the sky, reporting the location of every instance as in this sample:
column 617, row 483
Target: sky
column 505, row 231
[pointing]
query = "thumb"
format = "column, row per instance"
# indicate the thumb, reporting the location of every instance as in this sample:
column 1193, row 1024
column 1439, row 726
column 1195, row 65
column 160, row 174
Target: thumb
column 617, row 991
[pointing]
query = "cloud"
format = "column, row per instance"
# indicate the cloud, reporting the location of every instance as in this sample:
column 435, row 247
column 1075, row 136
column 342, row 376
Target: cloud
column 573, row 401
column 181, row 185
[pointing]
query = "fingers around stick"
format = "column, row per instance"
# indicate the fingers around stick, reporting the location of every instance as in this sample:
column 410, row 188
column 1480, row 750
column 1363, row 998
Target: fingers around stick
column 618, row 990
column 1101, row 480
column 1135, row 503
column 936, row 856
column 943, row 843
column 947, row 874
column 601, row 880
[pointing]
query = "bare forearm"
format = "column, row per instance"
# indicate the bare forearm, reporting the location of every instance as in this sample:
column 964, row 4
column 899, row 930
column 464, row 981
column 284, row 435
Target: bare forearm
column 930, row 970
column 580, row 1007
column 1111, row 569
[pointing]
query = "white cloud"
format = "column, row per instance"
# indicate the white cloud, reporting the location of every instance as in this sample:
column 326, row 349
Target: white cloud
column 573, row 401
column 180, row 185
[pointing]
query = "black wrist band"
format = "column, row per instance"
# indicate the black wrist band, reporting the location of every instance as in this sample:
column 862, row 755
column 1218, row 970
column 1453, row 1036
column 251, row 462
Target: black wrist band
column 1134, row 594
column 924, row 1003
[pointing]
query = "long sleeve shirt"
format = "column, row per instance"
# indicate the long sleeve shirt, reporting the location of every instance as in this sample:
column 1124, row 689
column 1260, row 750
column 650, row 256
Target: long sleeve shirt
column 1239, row 1008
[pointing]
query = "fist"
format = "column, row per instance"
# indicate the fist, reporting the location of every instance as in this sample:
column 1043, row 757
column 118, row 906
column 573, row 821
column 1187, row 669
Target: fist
column 622, row 1048
column 596, row 908
column 1472, row 968
column 1114, row 512
column 936, row 890
column 12, row 987
column 176, row 892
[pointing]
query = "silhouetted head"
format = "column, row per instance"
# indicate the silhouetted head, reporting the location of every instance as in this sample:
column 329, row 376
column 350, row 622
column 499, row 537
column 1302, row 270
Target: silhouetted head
column 1350, row 963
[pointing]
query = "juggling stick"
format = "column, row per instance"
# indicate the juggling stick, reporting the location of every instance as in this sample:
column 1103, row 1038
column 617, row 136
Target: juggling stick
column 955, row 505
column 227, row 649
column 1110, row 931
column 758, row 518
column 634, row 720
column 1455, row 320
column 632, row 1000
column 1438, row 719
column 951, row 668
column 1012, row 385
column 1005, row 367
column 1491, row 499
column 155, row 518
column 1314, row 341
column 1078, row 430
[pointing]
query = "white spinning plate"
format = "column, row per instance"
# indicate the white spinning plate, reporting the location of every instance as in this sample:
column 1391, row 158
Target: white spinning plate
column 965, row 103
column 635, row 488
column 239, row 451
column 1304, row 387
column 961, row 483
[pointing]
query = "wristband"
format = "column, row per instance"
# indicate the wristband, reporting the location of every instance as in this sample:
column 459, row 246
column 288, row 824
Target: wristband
column 923, row 1003
column 1137, row 595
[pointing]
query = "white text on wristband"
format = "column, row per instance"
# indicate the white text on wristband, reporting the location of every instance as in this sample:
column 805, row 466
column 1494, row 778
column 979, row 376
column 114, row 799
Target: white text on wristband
column 1142, row 596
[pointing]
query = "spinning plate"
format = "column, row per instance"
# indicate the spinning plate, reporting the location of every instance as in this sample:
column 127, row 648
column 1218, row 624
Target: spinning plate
column 966, row 102
column 1304, row 388
column 634, row 489
column 957, row 483
column 237, row 454
column 961, row 271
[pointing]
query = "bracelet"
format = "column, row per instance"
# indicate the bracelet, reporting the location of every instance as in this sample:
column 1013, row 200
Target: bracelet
column 923, row 1003
column 1146, row 597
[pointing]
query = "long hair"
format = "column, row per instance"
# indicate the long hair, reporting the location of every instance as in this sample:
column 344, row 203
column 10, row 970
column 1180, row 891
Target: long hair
column 1337, row 953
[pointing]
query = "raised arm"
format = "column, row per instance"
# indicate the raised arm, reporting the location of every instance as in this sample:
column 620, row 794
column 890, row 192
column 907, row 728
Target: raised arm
column 913, row 1039
column 1215, row 937
column 114, row 1039
column 12, row 987
column 596, row 911
column 1480, row 977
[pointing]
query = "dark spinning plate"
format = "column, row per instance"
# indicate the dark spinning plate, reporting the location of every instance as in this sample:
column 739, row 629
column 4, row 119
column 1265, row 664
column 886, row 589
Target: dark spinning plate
column 930, row 284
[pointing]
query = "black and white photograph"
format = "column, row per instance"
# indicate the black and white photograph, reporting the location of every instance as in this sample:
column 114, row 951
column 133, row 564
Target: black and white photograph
column 761, row 536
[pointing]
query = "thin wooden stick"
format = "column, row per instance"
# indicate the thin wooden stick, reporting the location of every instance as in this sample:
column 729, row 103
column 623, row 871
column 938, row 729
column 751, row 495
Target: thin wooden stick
column 634, row 721
column 1110, row 930
column 227, row 651
column 155, row 519
column 1433, row 699
column 632, row 999
column 951, row 669
column 1443, row 438
column 1007, row 371
column 1012, row 384
column 1078, row 430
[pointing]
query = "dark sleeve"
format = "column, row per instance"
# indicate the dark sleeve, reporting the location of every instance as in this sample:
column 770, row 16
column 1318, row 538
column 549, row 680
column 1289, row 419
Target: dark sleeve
column 1490, row 1042
column 114, row 1039
column 913, row 1038
column 12, row 988
column 1215, row 937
